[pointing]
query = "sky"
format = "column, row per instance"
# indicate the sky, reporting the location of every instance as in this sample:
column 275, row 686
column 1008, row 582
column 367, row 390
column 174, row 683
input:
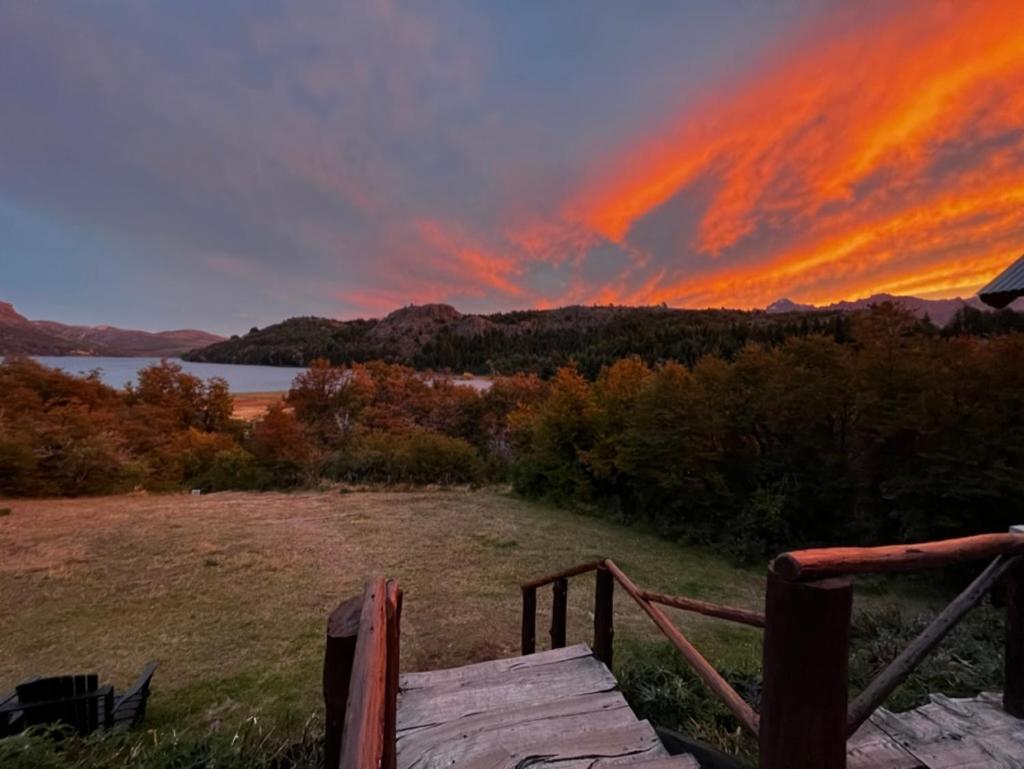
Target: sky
column 227, row 165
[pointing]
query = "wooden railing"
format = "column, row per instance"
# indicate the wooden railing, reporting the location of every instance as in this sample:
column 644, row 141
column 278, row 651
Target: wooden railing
column 608, row 573
column 806, row 716
column 361, row 678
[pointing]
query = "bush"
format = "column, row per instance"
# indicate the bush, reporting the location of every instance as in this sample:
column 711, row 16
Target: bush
column 233, row 469
column 416, row 456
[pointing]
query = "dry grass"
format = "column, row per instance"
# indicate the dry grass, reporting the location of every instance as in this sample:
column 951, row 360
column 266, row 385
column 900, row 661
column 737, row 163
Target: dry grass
column 250, row 406
column 230, row 591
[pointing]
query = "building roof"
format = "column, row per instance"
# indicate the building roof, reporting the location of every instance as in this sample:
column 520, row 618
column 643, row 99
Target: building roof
column 1006, row 287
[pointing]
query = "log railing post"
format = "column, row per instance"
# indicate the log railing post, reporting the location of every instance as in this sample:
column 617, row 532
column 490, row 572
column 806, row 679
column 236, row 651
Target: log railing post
column 1013, row 687
column 529, row 620
column 342, row 630
column 559, row 611
column 394, row 615
column 806, row 661
column 604, row 631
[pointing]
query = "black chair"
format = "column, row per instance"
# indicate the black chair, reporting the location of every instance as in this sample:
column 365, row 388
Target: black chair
column 130, row 707
column 77, row 701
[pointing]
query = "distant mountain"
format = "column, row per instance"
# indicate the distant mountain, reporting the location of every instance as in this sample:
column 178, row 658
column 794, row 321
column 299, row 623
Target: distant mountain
column 940, row 311
column 19, row 335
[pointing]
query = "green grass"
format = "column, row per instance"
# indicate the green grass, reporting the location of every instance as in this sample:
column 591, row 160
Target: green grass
column 230, row 592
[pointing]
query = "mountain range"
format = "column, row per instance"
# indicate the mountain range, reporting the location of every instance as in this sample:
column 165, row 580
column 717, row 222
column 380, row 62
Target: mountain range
column 21, row 336
column 939, row 311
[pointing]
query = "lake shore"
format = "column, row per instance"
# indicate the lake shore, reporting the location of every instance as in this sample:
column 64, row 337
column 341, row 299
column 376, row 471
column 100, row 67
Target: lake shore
column 250, row 406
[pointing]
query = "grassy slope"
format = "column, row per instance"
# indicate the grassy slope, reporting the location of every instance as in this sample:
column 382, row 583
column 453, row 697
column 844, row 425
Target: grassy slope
column 230, row 591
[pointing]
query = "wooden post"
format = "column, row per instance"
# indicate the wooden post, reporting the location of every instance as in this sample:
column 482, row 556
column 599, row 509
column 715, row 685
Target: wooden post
column 529, row 620
column 1013, row 687
column 559, row 609
column 342, row 629
column 806, row 659
column 604, row 630
column 394, row 613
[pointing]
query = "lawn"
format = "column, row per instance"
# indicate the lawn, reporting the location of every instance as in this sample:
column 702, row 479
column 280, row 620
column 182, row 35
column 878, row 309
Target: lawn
column 230, row 591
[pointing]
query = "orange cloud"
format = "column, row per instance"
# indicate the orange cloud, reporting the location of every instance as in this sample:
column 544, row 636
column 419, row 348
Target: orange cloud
column 474, row 267
column 878, row 153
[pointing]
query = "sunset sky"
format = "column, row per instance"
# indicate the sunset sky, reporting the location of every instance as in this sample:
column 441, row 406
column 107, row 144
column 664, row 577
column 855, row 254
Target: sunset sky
column 232, row 163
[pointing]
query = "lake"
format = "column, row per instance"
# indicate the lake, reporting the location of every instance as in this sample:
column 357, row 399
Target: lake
column 117, row 372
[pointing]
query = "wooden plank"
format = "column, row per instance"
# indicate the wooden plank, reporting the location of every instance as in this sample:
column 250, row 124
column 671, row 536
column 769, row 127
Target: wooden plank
column 871, row 748
column 490, row 668
column 363, row 743
column 518, row 688
column 806, row 657
column 465, row 739
column 636, row 740
column 707, row 673
column 665, row 762
column 876, row 692
column 394, row 614
column 803, row 565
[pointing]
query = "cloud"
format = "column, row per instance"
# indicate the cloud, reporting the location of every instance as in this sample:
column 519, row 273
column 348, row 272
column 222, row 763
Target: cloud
column 859, row 151
column 347, row 158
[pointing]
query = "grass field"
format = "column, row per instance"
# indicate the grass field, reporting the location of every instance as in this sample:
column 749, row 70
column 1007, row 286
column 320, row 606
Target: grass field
column 230, row 592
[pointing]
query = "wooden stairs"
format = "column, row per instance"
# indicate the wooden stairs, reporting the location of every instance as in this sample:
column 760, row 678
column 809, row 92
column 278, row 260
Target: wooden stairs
column 555, row 708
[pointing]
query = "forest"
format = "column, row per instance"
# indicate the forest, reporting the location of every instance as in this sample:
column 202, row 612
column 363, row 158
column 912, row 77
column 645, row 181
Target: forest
column 893, row 432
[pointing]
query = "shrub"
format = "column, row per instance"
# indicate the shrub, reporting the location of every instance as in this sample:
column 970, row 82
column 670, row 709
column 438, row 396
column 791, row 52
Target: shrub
column 416, row 456
column 233, row 469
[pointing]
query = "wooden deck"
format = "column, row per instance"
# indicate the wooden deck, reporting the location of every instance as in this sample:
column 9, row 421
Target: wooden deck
column 556, row 708
column 944, row 734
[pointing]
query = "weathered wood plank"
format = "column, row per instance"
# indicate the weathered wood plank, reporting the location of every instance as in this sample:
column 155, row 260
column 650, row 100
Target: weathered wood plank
column 466, row 738
column 517, row 688
column 490, row 668
column 871, row 748
column 944, row 734
column 666, row 762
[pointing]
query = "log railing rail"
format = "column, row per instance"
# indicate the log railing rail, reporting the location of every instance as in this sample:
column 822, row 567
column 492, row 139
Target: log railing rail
column 607, row 574
column 361, row 678
column 806, row 716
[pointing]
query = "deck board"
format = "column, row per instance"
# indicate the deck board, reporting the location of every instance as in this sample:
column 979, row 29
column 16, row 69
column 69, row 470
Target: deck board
column 947, row 733
column 558, row 707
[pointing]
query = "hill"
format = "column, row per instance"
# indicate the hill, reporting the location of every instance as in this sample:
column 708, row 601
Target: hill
column 438, row 336
column 21, row 336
